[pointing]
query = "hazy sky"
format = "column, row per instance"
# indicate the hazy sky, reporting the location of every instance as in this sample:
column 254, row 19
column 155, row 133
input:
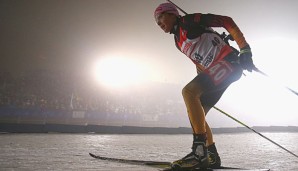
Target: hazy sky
column 75, row 34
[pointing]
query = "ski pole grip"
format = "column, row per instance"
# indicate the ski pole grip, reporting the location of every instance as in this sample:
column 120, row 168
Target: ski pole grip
column 177, row 7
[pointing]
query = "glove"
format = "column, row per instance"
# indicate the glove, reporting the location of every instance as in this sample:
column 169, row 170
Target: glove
column 245, row 59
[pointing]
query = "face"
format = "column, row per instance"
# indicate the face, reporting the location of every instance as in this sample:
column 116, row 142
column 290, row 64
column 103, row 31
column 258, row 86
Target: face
column 166, row 21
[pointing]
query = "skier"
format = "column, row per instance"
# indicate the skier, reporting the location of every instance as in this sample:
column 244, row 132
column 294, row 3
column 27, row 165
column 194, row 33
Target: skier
column 217, row 67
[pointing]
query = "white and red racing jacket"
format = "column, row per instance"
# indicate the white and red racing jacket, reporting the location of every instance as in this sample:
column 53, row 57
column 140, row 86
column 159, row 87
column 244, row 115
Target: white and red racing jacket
column 196, row 39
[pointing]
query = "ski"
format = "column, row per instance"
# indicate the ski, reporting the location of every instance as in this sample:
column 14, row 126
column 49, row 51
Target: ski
column 157, row 164
column 218, row 169
column 165, row 166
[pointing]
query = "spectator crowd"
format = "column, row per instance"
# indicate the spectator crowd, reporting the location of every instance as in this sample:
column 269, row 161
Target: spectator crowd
column 48, row 90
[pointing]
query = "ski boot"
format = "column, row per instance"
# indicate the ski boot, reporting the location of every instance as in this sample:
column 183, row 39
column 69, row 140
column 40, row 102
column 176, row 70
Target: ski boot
column 214, row 159
column 197, row 158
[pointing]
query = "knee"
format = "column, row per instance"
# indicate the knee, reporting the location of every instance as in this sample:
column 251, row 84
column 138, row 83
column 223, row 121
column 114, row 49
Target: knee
column 185, row 91
column 191, row 91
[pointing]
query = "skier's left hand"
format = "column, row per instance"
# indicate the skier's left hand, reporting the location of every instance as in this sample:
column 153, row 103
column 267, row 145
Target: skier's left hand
column 246, row 59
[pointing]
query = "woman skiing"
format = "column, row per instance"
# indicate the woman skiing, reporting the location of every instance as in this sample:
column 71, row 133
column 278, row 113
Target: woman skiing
column 217, row 65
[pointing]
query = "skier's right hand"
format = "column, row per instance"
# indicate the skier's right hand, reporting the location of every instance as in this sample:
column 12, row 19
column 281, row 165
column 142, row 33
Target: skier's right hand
column 246, row 58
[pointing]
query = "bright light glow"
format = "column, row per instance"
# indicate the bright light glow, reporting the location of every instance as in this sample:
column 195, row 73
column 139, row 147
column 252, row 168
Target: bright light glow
column 277, row 57
column 116, row 72
column 261, row 100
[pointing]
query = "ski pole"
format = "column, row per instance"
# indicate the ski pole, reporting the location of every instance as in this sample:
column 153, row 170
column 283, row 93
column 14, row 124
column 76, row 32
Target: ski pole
column 225, row 113
column 262, row 73
column 177, row 7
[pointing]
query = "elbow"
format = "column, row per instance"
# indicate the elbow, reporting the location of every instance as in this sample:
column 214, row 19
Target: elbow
column 228, row 23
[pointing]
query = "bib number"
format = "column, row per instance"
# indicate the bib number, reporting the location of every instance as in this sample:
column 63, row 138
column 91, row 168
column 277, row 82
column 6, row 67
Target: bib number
column 219, row 71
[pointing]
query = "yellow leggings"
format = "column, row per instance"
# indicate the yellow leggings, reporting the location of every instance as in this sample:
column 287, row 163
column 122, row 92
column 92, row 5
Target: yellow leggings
column 214, row 79
column 191, row 94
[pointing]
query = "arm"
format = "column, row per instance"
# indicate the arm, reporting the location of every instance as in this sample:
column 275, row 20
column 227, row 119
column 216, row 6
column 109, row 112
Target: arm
column 211, row 20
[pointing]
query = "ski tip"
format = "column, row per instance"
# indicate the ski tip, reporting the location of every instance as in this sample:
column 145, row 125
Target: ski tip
column 219, row 169
column 92, row 155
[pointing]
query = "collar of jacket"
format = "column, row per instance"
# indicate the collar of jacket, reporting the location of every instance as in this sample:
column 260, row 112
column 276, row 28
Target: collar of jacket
column 175, row 29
